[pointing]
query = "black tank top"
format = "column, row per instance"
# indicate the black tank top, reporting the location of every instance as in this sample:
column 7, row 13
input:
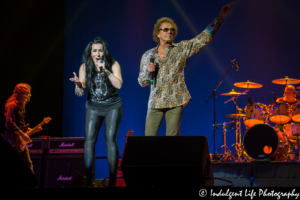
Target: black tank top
column 103, row 96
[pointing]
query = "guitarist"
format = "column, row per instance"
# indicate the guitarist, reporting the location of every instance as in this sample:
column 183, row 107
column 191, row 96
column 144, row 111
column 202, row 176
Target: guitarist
column 16, row 118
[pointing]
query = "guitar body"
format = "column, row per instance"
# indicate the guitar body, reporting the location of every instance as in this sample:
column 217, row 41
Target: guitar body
column 18, row 141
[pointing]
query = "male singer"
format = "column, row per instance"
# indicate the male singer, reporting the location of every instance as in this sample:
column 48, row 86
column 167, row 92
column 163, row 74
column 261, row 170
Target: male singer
column 169, row 93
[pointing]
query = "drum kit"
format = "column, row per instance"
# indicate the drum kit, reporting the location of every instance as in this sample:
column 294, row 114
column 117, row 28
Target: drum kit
column 261, row 141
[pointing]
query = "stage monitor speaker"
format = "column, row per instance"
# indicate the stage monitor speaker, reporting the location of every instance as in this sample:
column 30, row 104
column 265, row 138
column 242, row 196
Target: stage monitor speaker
column 166, row 161
column 14, row 172
column 64, row 171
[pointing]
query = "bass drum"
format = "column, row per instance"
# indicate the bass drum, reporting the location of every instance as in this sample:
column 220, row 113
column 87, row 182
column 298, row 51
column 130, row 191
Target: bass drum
column 261, row 142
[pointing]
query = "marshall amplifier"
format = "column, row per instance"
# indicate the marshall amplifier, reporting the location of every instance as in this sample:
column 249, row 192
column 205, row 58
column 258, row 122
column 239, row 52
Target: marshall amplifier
column 65, row 145
column 37, row 146
column 64, row 171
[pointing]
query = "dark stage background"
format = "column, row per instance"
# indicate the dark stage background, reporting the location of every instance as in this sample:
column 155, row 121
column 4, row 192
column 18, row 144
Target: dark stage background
column 32, row 51
column 43, row 42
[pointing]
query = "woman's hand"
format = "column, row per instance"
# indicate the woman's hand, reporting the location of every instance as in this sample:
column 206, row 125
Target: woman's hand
column 75, row 80
column 101, row 64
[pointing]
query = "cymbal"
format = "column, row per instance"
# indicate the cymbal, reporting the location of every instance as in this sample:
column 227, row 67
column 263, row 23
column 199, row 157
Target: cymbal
column 248, row 85
column 286, row 81
column 233, row 93
column 237, row 115
column 298, row 87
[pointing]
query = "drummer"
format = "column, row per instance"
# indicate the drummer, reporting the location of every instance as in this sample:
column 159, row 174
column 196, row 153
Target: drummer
column 289, row 96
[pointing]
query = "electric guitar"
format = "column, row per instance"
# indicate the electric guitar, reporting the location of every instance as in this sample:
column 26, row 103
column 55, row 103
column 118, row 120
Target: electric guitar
column 18, row 141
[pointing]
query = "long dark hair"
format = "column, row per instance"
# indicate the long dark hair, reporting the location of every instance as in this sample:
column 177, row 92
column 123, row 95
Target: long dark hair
column 89, row 63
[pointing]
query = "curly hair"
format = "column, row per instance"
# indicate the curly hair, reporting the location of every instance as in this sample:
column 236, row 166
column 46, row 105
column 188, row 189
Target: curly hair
column 157, row 26
column 19, row 93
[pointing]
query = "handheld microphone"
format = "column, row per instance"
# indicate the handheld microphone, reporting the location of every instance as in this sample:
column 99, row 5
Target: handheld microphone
column 151, row 73
column 101, row 68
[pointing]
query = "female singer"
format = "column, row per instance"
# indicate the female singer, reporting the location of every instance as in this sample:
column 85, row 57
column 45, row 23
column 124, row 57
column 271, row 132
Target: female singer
column 102, row 76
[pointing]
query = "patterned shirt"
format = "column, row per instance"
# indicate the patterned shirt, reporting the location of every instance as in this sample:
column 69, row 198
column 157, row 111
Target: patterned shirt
column 170, row 89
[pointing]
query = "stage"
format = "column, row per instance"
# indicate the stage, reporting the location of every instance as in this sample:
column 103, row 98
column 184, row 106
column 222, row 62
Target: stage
column 258, row 174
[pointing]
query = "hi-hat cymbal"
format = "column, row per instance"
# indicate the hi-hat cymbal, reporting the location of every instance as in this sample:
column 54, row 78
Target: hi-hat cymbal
column 286, row 81
column 248, row 85
column 237, row 115
column 233, row 93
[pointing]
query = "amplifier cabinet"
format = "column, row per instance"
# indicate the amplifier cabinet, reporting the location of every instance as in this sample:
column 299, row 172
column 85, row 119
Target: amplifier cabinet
column 64, row 171
column 38, row 168
column 65, row 145
column 37, row 146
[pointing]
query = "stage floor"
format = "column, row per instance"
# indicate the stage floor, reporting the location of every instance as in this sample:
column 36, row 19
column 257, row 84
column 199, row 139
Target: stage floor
column 258, row 174
column 254, row 174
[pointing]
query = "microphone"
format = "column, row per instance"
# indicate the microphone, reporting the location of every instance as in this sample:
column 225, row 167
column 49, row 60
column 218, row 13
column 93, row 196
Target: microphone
column 151, row 73
column 250, row 100
column 101, row 68
column 236, row 66
column 275, row 97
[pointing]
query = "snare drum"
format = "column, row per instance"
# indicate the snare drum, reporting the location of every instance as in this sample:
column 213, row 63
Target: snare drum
column 261, row 142
column 255, row 114
column 295, row 108
column 280, row 113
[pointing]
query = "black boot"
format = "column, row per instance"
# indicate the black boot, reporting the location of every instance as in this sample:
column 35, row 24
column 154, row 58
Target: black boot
column 89, row 181
column 112, row 181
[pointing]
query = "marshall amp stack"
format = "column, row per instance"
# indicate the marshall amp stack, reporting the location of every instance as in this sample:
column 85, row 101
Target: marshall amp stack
column 58, row 162
column 65, row 146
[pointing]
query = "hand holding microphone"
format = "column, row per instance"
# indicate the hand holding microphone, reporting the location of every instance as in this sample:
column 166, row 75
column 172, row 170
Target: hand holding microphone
column 101, row 66
column 151, row 68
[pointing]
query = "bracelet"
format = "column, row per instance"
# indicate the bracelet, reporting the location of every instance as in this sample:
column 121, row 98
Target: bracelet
column 108, row 73
column 80, row 85
column 79, row 91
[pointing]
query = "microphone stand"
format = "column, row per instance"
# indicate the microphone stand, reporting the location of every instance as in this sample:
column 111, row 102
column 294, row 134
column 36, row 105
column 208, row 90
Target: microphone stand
column 215, row 96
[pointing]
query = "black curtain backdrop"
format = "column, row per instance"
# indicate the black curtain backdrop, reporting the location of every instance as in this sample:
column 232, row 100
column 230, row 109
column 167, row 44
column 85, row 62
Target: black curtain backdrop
column 32, row 51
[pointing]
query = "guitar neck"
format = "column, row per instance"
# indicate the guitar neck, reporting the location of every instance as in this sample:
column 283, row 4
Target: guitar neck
column 34, row 129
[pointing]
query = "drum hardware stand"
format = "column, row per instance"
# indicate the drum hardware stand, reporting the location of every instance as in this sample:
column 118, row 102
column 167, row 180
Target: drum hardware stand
column 265, row 117
column 227, row 157
column 215, row 96
column 238, row 134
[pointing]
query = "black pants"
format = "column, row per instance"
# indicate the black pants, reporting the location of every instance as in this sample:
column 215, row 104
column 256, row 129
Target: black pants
column 93, row 122
column 24, row 155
